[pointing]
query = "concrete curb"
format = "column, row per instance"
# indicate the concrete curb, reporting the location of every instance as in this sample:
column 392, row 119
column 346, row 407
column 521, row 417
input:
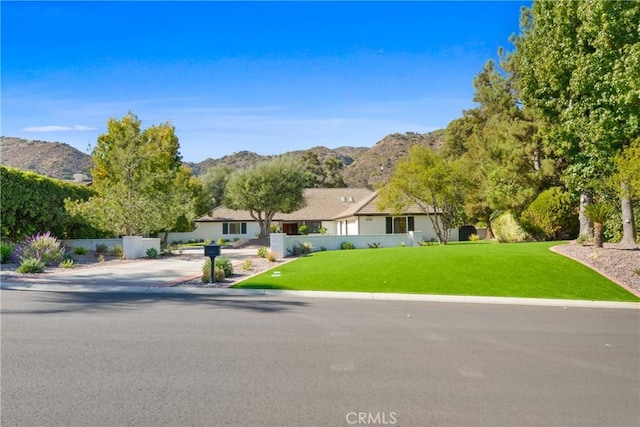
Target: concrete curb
column 266, row 293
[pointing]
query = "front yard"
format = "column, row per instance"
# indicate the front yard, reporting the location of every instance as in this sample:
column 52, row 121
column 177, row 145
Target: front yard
column 527, row 270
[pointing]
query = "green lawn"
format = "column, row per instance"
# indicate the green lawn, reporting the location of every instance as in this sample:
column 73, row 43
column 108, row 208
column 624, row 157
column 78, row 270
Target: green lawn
column 528, row 270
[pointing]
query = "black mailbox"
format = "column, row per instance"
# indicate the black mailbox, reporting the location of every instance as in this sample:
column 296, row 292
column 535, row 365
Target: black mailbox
column 212, row 250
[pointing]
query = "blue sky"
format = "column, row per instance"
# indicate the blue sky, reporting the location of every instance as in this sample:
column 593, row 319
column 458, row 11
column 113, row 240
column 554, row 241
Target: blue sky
column 267, row 77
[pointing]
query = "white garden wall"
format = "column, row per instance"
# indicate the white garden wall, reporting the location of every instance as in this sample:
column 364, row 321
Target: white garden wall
column 132, row 246
column 92, row 244
column 281, row 244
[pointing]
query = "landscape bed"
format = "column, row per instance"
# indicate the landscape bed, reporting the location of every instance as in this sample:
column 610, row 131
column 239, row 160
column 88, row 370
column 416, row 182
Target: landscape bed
column 526, row 270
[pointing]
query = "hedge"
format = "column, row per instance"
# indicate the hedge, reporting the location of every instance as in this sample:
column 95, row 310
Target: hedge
column 32, row 203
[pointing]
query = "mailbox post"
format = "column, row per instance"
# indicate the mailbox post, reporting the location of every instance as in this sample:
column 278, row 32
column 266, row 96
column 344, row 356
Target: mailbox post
column 212, row 251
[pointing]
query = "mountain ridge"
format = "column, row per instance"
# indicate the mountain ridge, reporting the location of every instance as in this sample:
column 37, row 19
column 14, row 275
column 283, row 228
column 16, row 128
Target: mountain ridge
column 363, row 166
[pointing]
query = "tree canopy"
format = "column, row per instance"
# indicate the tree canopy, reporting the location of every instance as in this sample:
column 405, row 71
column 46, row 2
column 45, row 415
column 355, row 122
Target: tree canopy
column 141, row 183
column 578, row 68
column 267, row 188
column 426, row 180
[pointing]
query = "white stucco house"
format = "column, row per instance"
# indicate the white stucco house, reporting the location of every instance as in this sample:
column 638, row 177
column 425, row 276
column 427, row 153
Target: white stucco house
column 341, row 211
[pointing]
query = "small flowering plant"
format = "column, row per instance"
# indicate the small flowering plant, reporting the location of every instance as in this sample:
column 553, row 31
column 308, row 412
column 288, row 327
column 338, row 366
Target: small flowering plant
column 43, row 247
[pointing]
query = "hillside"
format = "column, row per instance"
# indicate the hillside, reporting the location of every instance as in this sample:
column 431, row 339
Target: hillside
column 376, row 164
column 53, row 159
column 364, row 167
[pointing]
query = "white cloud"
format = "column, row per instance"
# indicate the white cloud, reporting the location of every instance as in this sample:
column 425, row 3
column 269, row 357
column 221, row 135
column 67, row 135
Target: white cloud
column 56, row 128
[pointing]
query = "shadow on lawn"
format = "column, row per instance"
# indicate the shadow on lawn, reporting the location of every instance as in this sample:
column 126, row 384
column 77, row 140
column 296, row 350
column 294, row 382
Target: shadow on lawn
column 77, row 302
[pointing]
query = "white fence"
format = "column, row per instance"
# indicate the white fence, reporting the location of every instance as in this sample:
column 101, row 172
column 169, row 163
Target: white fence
column 282, row 244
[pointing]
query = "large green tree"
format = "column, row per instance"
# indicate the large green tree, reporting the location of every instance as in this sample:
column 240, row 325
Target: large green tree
column 323, row 172
column 267, row 188
column 435, row 185
column 497, row 143
column 139, row 179
column 627, row 183
column 214, row 181
column 578, row 68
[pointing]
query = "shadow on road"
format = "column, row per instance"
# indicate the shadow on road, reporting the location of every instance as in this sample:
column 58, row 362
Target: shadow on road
column 76, row 302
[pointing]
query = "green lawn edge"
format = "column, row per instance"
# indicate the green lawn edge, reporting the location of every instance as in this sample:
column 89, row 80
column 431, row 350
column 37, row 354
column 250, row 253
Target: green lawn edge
column 523, row 270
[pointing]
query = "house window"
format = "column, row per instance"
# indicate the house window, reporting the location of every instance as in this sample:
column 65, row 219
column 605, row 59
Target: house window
column 234, row 228
column 314, row 226
column 400, row 224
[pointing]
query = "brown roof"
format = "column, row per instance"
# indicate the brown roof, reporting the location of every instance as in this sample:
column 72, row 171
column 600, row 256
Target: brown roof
column 368, row 207
column 322, row 204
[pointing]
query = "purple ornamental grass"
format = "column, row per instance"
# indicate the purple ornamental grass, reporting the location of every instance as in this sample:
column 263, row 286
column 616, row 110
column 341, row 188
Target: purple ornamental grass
column 44, row 247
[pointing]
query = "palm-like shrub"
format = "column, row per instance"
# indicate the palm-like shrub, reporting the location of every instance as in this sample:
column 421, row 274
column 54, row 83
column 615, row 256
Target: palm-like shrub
column 598, row 213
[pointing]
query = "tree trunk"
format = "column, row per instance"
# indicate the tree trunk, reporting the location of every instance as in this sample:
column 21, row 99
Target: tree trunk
column 490, row 235
column 628, row 220
column 586, row 226
column 264, row 228
column 598, row 235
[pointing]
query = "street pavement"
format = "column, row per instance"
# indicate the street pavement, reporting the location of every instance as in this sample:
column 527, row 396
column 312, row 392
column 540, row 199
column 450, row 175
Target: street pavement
column 152, row 359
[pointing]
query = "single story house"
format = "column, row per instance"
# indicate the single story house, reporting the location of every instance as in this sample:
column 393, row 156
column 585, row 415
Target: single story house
column 339, row 211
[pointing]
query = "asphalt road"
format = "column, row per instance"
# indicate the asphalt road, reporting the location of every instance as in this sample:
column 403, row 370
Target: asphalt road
column 103, row 359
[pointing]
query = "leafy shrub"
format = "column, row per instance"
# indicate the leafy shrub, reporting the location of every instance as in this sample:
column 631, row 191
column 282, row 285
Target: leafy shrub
column 300, row 249
column 101, row 248
column 551, row 216
column 637, row 271
column 584, row 240
column 322, row 248
column 206, row 272
column 172, row 249
column 117, row 251
column 80, row 250
column 100, row 257
column 426, row 243
column 347, row 245
column 224, row 264
column 152, row 253
column 44, row 247
column 507, row 230
column 401, row 245
column 374, row 245
column 247, row 264
column 473, row 237
column 262, row 252
column 221, row 241
column 303, row 229
column 30, row 266
column 271, row 256
column 67, row 263
column 5, row 252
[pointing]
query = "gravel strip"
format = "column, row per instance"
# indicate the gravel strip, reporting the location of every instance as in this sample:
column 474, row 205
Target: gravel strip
column 615, row 261
column 240, row 272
